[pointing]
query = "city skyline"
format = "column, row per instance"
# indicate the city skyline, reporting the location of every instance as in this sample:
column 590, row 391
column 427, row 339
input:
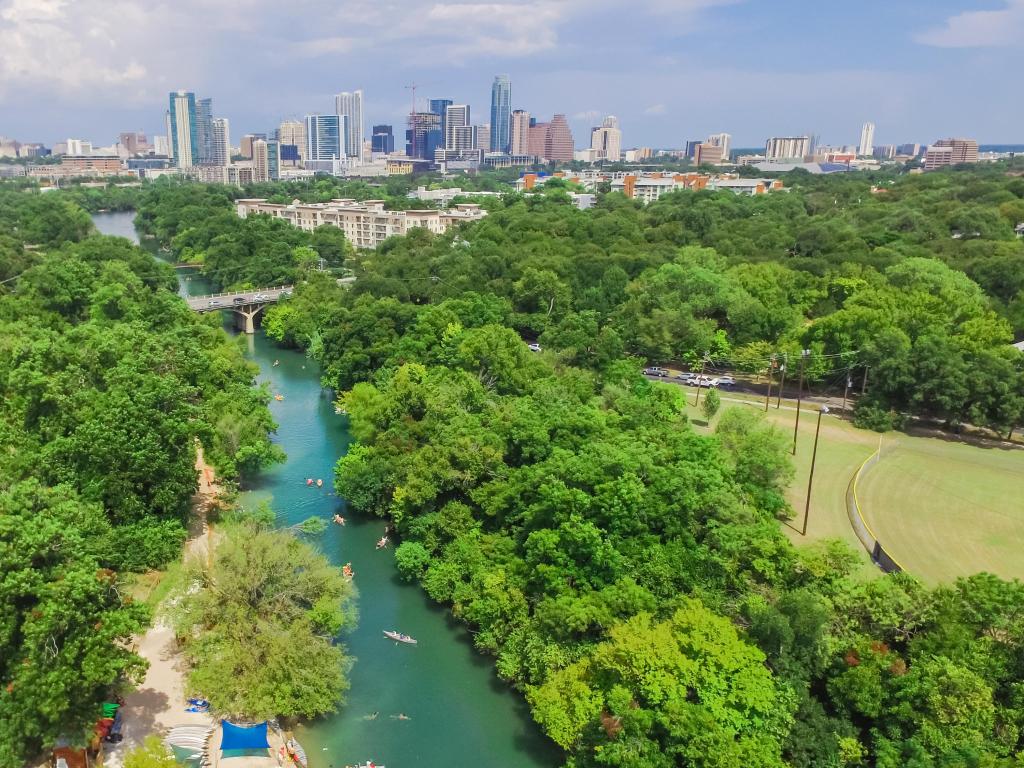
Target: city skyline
column 48, row 72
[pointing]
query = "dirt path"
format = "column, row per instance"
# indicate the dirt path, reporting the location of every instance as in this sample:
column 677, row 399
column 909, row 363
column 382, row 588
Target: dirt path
column 160, row 701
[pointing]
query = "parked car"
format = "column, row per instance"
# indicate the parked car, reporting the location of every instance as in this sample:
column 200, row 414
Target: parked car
column 655, row 371
column 705, row 381
column 239, row 300
column 726, row 381
column 214, row 303
column 686, row 377
column 534, row 347
column 260, row 297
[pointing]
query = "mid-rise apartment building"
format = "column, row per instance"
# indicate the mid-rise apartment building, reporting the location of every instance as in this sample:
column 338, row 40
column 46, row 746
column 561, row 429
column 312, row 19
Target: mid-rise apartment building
column 366, row 224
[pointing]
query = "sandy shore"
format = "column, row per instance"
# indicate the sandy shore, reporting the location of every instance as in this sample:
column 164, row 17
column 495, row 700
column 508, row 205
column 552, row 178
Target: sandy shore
column 159, row 703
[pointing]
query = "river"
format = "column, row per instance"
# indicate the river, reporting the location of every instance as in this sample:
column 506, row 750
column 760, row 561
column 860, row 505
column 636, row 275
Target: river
column 460, row 714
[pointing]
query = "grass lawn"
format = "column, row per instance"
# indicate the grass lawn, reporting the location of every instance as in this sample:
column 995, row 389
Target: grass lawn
column 945, row 509
column 841, row 449
column 942, row 508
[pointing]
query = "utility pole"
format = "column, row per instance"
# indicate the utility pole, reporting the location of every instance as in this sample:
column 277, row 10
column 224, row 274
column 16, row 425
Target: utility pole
column 771, row 378
column 810, row 479
column 785, row 365
column 804, row 353
column 864, row 383
column 703, row 363
column 846, row 392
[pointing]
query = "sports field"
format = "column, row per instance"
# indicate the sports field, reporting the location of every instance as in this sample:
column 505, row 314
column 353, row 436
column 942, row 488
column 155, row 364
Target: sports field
column 944, row 509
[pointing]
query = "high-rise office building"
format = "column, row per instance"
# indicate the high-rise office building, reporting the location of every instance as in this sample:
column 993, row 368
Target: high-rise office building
column 204, row 130
column 423, row 136
column 349, row 105
column 946, row 152
column 133, row 142
column 501, row 114
column 691, row 147
column 867, row 140
column 221, row 149
column 181, row 129
column 77, row 147
column 439, row 107
column 324, row 137
column 382, row 140
column 707, row 153
column 519, row 133
column 558, row 144
column 723, row 140
column 787, row 147
column 293, row 133
column 538, row 137
column 483, row 136
column 245, row 144
column 463, row 138
column 455, row 116
column 161, row 146
column 607, row 139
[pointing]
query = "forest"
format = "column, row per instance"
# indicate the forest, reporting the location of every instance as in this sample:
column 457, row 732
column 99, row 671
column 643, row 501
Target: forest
column 626, row 573
column 917, row 279
column 107, row 382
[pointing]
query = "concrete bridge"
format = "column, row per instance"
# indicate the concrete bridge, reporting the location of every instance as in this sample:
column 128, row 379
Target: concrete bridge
column 245, row 305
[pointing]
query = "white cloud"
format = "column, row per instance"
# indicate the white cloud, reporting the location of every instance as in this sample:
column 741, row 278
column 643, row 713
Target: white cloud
column 979, row 29
column 324, row 46
column 656, row 109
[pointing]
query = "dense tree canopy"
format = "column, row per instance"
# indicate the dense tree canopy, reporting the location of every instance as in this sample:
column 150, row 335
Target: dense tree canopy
column 107, row 382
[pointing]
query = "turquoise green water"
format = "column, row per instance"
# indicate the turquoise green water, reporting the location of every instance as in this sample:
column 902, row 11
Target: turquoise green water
column 460, row 714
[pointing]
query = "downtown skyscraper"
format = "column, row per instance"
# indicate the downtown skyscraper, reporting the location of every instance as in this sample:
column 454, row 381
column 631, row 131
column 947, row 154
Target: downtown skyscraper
column 182, row 134
column 204, row 130
column 349, row 105
column 501, row 113
column 324, row 137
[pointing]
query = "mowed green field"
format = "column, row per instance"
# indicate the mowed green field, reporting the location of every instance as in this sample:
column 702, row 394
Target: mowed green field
column 944, row 509
column 841, row 450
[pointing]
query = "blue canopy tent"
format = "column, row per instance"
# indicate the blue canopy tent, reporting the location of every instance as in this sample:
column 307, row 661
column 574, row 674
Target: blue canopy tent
column 238, row 738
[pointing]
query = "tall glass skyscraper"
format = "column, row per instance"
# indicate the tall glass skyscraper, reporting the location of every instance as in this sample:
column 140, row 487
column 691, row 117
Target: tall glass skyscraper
column 440, row 107
column 204, row 130
column 181, row 129
column 501, row 113
column 323, row 137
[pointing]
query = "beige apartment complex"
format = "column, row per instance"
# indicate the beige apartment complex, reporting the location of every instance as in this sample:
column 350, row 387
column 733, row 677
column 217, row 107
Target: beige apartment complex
column 366, row 224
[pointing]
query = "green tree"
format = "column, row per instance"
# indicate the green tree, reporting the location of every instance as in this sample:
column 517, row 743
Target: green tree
column 712, row 402
column 260, row 629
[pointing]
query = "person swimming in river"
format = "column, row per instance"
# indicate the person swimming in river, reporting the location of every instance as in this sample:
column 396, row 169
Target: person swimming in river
column 319, row 483
column 309, row 481
column 382, row 543
column 277, row 363
column 339, row 519
column 401, row 716
column 371, row 717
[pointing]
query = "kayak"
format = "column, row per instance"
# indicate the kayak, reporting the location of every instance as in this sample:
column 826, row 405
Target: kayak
column 398, row 637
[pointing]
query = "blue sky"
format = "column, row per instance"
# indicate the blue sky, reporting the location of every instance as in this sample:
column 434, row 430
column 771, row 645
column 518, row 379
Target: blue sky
column 671, row 70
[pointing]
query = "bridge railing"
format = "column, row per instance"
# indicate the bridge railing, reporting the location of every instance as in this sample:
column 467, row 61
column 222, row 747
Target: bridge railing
column 240, row 293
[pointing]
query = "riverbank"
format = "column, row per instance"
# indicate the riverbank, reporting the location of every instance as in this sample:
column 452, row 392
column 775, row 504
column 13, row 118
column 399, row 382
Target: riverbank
column 160, row 701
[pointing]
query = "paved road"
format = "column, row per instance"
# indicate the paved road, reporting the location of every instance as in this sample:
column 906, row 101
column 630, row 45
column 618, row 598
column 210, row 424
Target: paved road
column 239, row 298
